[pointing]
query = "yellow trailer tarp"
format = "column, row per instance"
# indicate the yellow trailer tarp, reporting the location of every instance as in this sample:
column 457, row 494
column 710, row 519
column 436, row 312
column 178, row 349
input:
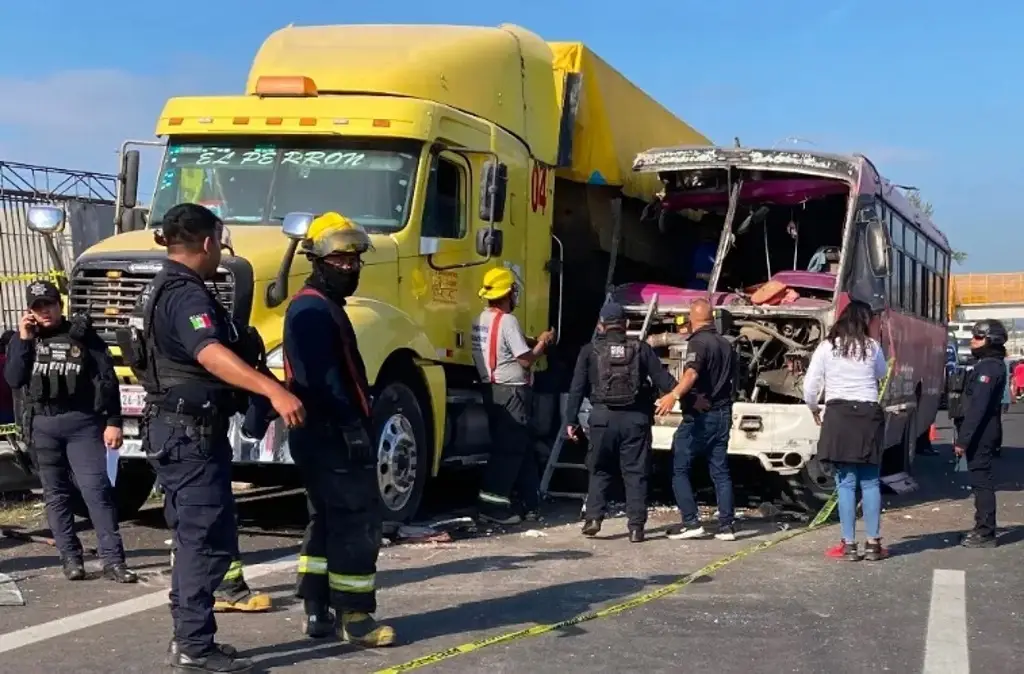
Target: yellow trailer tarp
column 615, row 121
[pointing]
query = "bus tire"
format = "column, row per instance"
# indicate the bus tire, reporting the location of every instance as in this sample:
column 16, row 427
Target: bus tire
column 909, row 445
column 403, row 452
column 134, row 486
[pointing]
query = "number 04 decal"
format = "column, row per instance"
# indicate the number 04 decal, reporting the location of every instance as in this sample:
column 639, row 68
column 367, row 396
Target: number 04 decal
column 539, row 188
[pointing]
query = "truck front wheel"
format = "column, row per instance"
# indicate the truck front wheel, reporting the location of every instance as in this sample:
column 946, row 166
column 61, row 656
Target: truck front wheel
column 403, row 451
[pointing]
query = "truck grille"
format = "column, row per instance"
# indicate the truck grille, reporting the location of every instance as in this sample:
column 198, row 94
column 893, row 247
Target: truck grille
column 108, row 292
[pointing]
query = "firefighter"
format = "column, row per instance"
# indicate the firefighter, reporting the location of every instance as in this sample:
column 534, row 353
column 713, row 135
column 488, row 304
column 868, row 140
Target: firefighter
column 334, row 451
column 615, row 371
column 72, row 414
column 980, row 432
column 193, row 362
column 503, row 358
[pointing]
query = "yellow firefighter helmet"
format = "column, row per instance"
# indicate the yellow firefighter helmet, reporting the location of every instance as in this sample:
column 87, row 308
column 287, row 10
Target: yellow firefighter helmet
column 333, row 233
column 498, row 283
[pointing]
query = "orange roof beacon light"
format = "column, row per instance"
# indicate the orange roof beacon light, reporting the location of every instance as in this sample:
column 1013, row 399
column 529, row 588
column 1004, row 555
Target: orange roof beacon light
column 285, row 85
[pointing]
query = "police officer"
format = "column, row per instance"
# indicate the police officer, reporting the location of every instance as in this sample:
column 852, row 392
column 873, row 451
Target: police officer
column 614, row 371
column 334, row 451
column 193, row 360
column 705, row 393
column 72, row 410
column 980, row 432
column 503, row 358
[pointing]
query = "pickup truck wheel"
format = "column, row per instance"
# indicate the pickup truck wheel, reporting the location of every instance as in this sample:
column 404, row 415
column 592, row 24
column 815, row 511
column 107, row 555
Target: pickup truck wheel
column 403, row 453
column 814, row 486
column 135, row 480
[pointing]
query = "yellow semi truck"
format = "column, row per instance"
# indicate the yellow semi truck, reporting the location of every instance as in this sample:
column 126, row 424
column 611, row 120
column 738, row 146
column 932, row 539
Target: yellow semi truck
column 459, row 149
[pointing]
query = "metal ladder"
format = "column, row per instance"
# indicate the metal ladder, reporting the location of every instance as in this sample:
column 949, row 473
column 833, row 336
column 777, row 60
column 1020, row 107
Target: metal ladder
column 554, row 459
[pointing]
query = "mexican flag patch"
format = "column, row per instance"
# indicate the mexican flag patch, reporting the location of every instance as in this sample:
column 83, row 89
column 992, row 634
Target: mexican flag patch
column 200, row 322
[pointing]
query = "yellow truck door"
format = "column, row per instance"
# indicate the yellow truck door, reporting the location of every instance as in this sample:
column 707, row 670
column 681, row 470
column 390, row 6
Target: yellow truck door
column 446, row 291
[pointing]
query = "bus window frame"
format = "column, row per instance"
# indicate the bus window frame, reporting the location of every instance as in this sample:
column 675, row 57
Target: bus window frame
column 929, row 262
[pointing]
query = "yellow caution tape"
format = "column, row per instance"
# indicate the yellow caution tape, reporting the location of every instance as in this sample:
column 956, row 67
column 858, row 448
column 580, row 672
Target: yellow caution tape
column 9, row 429
column 51, row 275
column 640, row 600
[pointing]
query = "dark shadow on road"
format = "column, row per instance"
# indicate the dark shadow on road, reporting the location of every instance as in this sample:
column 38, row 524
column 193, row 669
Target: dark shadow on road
column 397, row 577
column 945, row 540
column 540, row 606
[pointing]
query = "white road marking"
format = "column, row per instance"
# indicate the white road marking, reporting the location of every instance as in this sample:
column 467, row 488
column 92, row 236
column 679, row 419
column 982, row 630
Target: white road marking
column 945, row 650
column 80, row 621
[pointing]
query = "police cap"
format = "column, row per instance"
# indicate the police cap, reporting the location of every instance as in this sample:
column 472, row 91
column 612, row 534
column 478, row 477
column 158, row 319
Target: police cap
column 188, row 224
column 41, row 291
column 992, row 331
column 613, row 313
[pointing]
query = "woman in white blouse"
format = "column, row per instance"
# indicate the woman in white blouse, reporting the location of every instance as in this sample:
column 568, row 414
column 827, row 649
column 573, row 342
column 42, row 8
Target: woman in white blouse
column 848, row 366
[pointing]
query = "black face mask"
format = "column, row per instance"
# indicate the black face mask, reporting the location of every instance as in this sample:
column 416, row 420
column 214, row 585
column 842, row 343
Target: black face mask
column 335, row 283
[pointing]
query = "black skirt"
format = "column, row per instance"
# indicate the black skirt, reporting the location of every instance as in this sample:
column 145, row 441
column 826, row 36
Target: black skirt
column 851, row 432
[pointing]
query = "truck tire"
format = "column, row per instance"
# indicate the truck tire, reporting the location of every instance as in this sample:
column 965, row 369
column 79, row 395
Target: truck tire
column 135, row 480
column 403, row 452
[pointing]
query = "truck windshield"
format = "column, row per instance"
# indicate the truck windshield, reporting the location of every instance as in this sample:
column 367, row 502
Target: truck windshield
column 246, row 182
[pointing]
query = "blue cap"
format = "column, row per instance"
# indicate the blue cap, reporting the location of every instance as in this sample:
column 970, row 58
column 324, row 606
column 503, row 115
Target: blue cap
column 612, row 313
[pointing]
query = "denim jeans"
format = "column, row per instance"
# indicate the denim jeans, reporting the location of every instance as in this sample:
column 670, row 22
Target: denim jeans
column 703, row 435
column 847, row 477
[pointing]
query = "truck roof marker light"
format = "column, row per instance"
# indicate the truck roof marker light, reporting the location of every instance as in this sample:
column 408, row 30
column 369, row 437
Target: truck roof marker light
column 274, row 121
column 307, row 121
column 240, row 120
column 382, row 123
column 285, row 85
column 340, row 122
column 205, row 120
column 175, row 121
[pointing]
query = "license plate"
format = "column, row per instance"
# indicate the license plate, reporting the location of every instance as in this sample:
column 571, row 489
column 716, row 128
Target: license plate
column 132, row 448
column 133, row 400
column 131, row 428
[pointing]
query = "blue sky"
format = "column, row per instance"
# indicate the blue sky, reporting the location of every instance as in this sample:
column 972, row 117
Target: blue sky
column 934, row 97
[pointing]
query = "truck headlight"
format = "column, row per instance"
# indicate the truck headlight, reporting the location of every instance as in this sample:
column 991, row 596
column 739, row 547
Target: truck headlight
column 275, row 358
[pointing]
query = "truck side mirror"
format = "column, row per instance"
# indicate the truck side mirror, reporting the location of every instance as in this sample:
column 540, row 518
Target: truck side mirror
column 489, row 242
column 133, row 219
column 129, row 183
column 46, row 220
column 493, row 191
column 878, row 248
column 296, row 225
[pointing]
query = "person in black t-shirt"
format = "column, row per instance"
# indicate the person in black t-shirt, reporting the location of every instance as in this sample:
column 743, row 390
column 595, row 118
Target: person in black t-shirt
column 705, row 394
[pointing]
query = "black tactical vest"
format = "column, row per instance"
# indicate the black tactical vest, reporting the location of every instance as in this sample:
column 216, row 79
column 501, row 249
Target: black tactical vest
column 618, row 373
column 58, row 370
column 155, row 371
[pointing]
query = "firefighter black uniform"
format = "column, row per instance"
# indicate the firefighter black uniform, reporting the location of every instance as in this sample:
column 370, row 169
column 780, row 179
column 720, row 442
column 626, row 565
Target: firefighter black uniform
column 334, row 451
column 617, row 373
column 72, row 412
column 980, row 433
column 185, row 423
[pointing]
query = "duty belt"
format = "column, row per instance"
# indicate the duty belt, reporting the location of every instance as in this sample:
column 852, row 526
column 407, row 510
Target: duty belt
column 52, row 409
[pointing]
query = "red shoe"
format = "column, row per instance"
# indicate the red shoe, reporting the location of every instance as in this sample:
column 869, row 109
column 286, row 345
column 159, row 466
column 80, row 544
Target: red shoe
column 843, row 551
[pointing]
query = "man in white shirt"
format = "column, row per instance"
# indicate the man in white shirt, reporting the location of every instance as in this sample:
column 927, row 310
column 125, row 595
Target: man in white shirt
column 503, row 359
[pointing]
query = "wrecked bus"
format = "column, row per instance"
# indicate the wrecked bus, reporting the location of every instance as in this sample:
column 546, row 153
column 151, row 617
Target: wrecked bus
column 459, row 149
column 794, row 236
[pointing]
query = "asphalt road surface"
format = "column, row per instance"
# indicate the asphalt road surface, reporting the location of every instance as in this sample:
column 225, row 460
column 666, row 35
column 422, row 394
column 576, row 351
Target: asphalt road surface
column 931, row 607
